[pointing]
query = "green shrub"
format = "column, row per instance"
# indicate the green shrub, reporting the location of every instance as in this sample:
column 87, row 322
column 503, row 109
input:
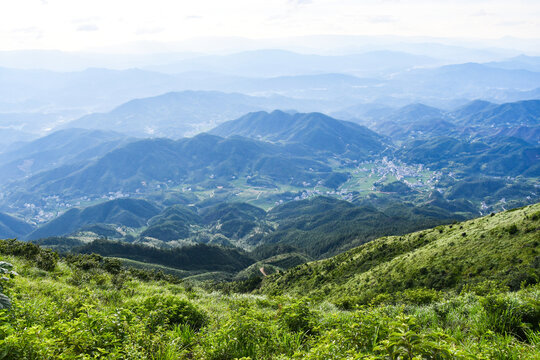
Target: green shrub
column 46, row 259
column 112, row 266
column 507, row 314
column 347, row 302
column 297, row 317
column 420, row 296
column 247, row 334
column 483, row 288
column 405, row 341
column 167, row 310
column 512, row 229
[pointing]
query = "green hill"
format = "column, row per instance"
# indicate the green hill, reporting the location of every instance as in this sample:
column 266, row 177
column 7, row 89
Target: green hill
column 203, row 160
column 516, row 113
column 324, row 226
column 171, row 224
column 496, row 157
column 11, row 226
column 197, row 257
column 59, row 148
column 127, row 212
column 313, row 130
column 503, row 248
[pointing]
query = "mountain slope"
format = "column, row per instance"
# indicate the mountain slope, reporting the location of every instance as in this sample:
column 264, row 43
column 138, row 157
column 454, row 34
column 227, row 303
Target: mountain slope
column 153, row 163
column 502, row 247
column 197, row 257
column 313, row 130
column 325, row 226
column 126, row 212
column 509, row 114
column 172, row 223
column 176, row 114
column 57, row 149
column 499, row 157
column 466, row 80
column 11, row 227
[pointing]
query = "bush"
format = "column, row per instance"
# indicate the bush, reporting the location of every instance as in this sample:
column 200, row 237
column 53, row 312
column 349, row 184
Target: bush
column 248, row 334
column 297, row 317
column 406, row 342
column 85, row 262
column 26, row 250
column 170, row 310
column 46, row 259
column 112, row 266
column 508, row 314
column 512, row 229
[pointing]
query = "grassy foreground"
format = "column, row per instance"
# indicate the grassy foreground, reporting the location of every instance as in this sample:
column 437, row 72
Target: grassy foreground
column 88, row 307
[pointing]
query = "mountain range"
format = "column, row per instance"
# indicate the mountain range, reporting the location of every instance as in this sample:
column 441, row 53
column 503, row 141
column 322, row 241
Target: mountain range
column 268, row 158
column 316, row 131
column 59, row 148
column 178, row 114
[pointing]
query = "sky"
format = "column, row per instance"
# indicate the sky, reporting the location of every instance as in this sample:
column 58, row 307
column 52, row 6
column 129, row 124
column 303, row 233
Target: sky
column 86, row 25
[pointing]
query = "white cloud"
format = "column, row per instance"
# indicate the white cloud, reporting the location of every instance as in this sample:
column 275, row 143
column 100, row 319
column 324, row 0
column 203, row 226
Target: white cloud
column 87, row 27
column 149, row 31
column 125, row 21
column 301, row 2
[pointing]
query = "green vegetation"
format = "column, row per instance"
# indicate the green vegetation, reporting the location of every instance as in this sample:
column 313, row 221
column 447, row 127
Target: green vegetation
column 89, row 306
column 196, row 257
column 503, row 249
column 324, row 226
column 127, row 212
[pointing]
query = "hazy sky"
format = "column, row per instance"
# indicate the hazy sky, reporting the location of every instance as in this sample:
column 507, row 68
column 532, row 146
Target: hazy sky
column 91, row 24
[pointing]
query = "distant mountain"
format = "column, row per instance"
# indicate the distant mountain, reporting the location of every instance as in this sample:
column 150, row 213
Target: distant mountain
column 267, row 63
column 412, row 121
column 126, row 212
column 91, row 89
column 521, row 62
column 415, row 112
column 234, row 220
column 57, row 149
column 421, row 128
column 9, row 136
column 500, row 157
column 172, row 224
column 521, row 113
column 199, row 257
column 205, row 161
column 473, row 107
column 330, row 89
column 11, row 227
column 314, row 130
column 177, row 114
column 470, row 80
column 517, row 95
column 529, row 134
column 364, row 114
column 476, row 119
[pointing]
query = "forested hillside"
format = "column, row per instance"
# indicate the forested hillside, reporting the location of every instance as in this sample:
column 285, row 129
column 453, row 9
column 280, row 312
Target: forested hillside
column 500, row 248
